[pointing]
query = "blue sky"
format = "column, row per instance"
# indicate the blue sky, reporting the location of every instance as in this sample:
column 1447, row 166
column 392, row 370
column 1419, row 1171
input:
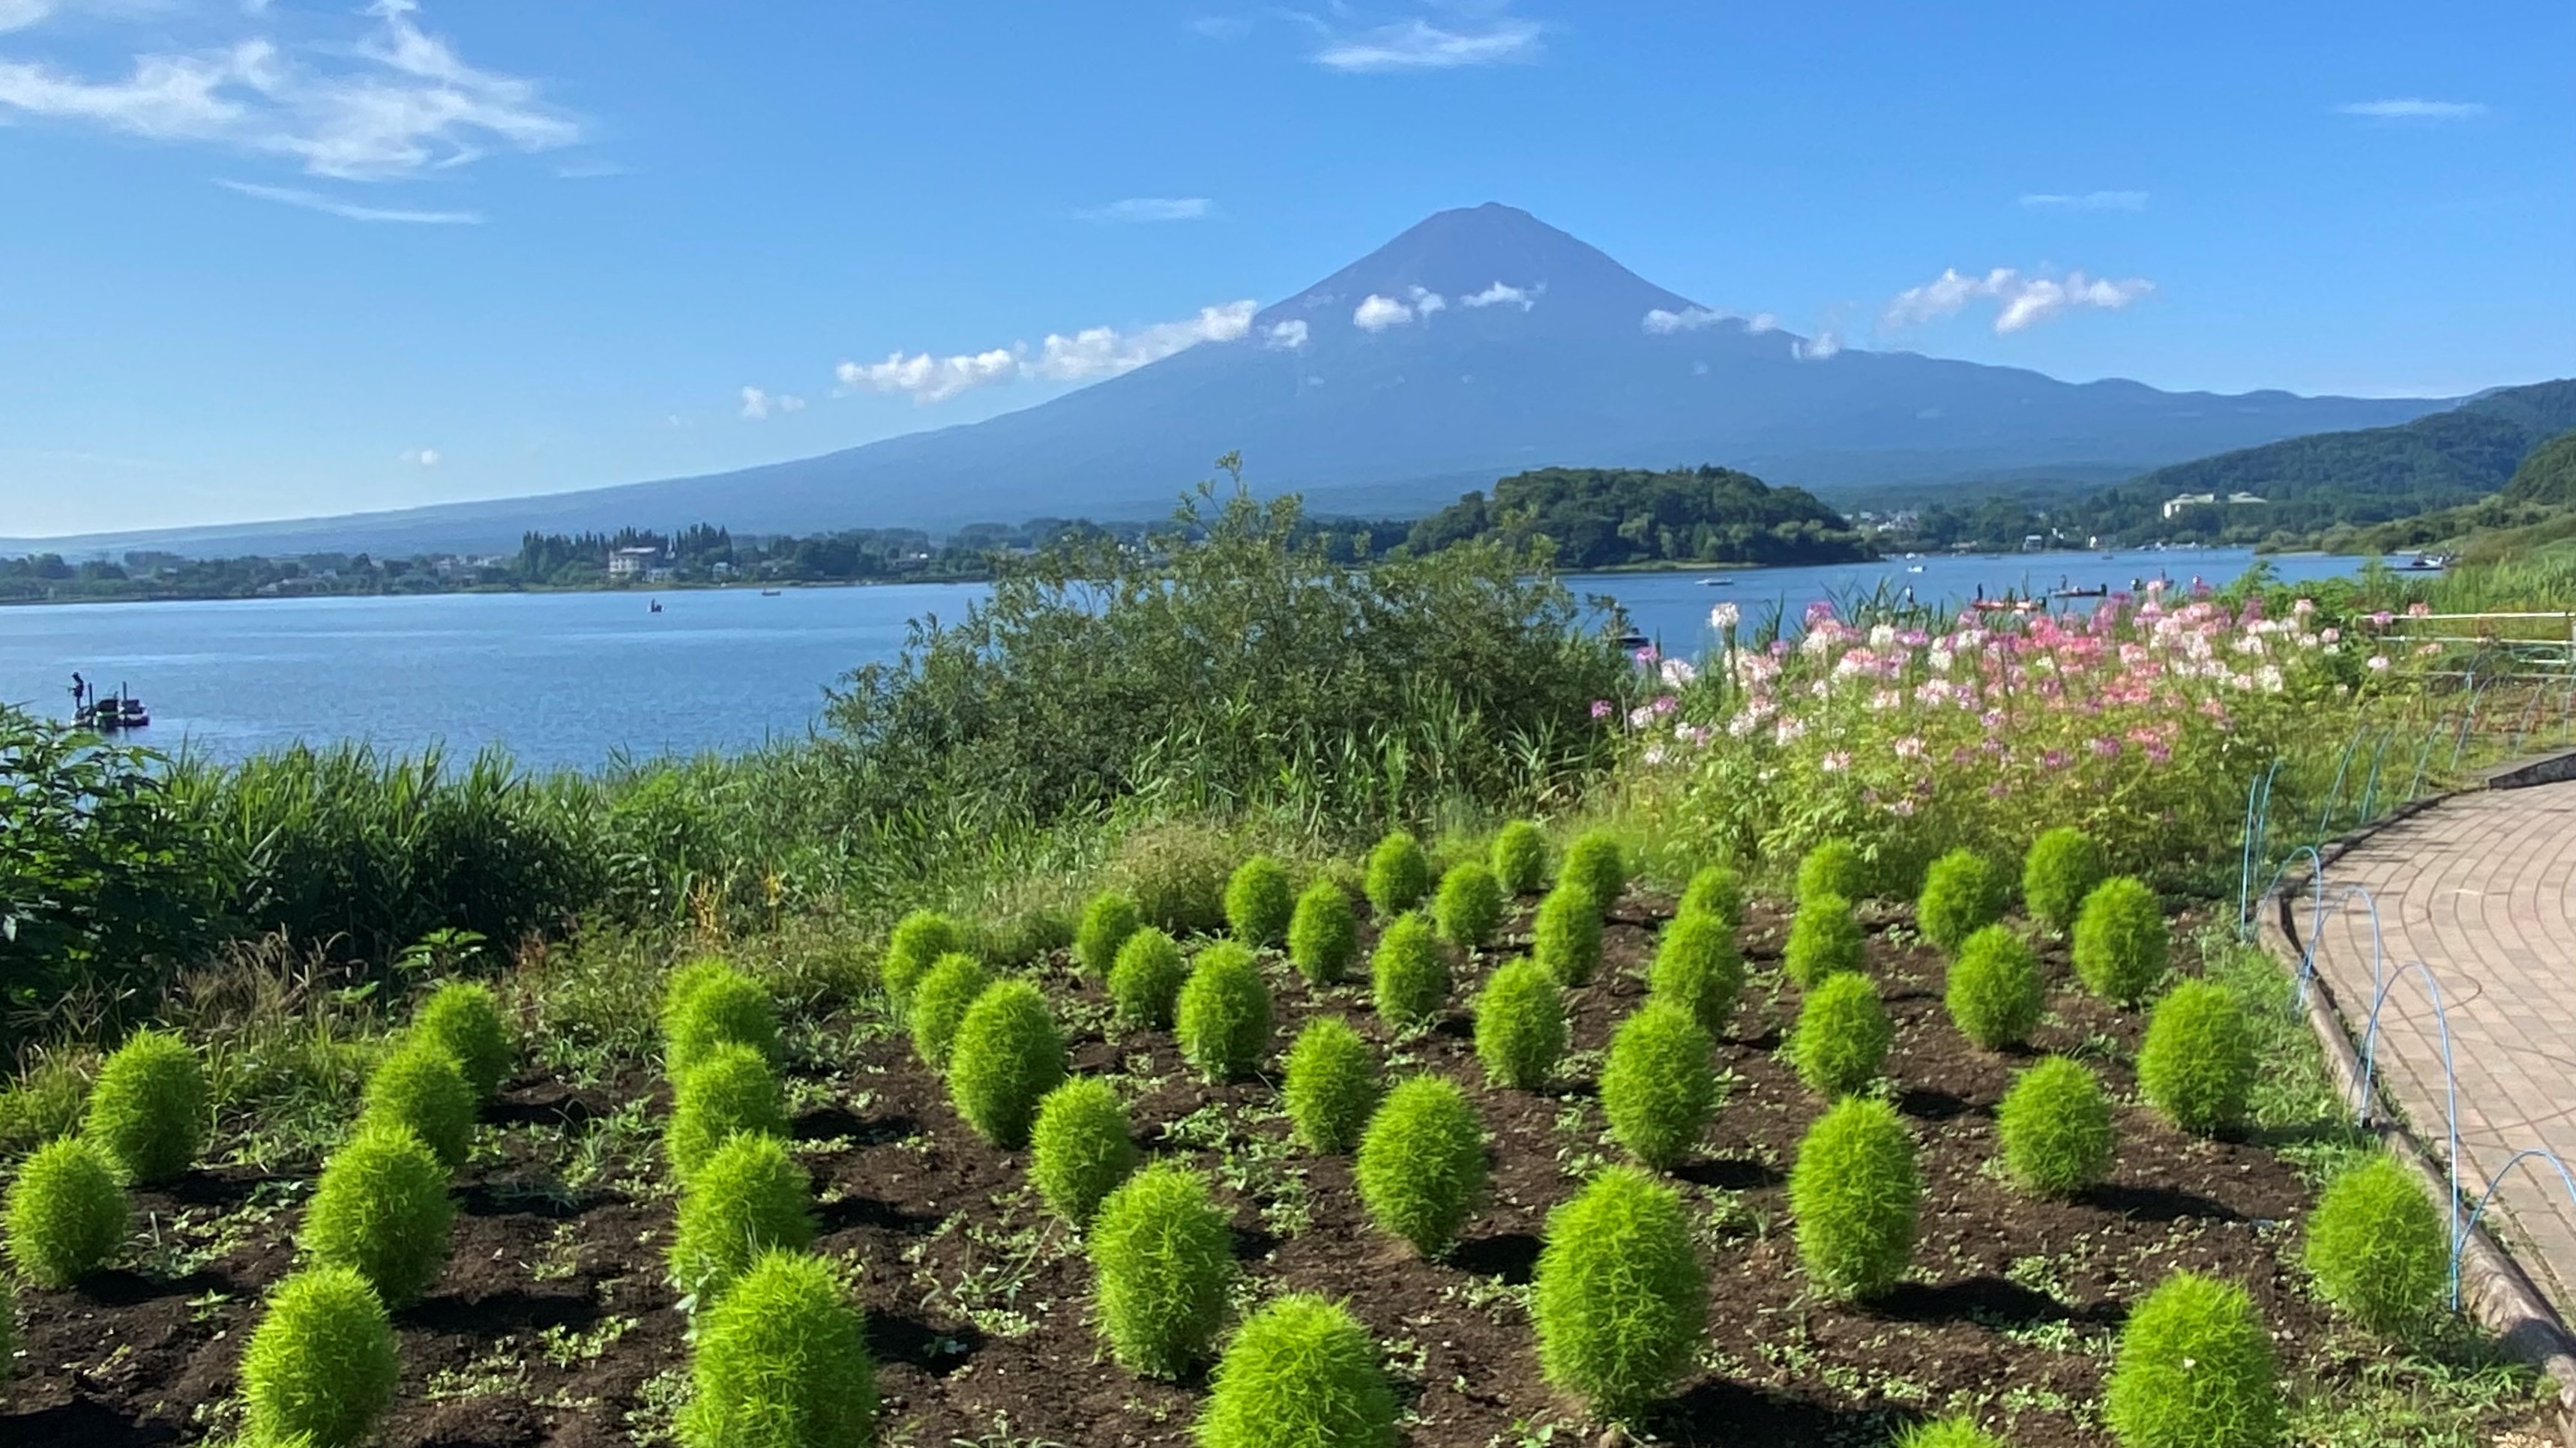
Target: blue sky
column 277, row 259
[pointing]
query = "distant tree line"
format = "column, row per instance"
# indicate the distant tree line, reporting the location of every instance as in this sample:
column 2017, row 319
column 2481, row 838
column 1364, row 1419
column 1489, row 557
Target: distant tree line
column 1625, row 517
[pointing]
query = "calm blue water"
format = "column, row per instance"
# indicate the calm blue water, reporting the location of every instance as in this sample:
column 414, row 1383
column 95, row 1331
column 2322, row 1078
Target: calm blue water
column 574, row 678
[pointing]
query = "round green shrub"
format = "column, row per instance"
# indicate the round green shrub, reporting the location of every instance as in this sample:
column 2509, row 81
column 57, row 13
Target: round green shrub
column 382, row 1209
column 1834, row 867
column 1108, row 922
column 1399, row 874
column 782, row 1362
column 1519, row 857
column 1258, row 901
column 1620, row 1297
column 1421, row 1164
column 1963, row 893
column 1520, row 1025
column 1147, row 979
column 1223, row 1017
column 1411, row 972
column 1596, row 862
column 1716, row 892
column 67, row 1212
column 720, row 1007
column 1658, row 1088
column 1300, row 1373
column 1331, row 1085
column 749, row 1197
column 1961, row 1432
column 2063, row 866
column 2196, row 1065
column 419, row 1087
column 2378, row 1247
column 1162, row 1259
column 733, row 1090
column 2194, row 1370
column 1994, row 992
column 2121, row 943
column 1842, row 1035
column 2054, row 1127
column 148, row 1109
column 1324, row 934
column 918, row 941
column 464, row 1018
column 1824, row 937
column 1698, row 968
column 1469, row 907
column 1565, row 933
column 1855, row 1197
column 1007, row 1057
column 1080, row 1149
column 939, row 1002
column 320, row 1368
column 1177, row 874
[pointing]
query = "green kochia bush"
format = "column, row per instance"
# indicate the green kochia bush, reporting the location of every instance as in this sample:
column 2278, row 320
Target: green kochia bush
column 1469, row 908
column 1421, row 1163
column 1411, row 971
column 1994, row 992
column 2194, row 1370
column 1223, row 1019
column 1595, row 862
column 1519, row 857
column 1842, row 1035
column 148, row 1110
column 782, row 1362
column 1300, row 1372
column 1107, row 923
column 1963, row 893
column 1331, row 1086
column 939, row 1002
column 918, row 941
column 1717, row 892
column 1163, row 1260
column 1855, row 1197
column 419, row 1087
column 1834, row 867
column 1698, row 968
column 1080, row 1149
column 1324, row 934
column 1948, row 1433
column 2378, row 1247
column 2063, row 866
column 2196, row 1065
column 1825, row 937
column 464, row 1017
column 1520, row 1025
column 1399, row 874
column 750, row 1197
column 320, row 1368
column 1007, row 1057
column 1565, row 933
column 2121, row 943
column 382, row 1209
column 1147, row 979
column 2054, row 1127
column 1658, row 1088
column 67, row 1212
column 1620, row 1297
column 714, row 1007
column 732, row 1090
column 1258, row 901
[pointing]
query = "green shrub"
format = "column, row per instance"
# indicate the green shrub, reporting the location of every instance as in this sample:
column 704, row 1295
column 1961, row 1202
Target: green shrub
column 1842, row 1035
column 1963, row 893
column 1223, row 1018
column 750, row 1196
column 464, row 1017
column 320, row 1368
column 1565, row 934
column 1698, row 968
column 1519, row 858
column 1994, row 992
column 1398, row 875
column 939, row 1002
column 2121, row 943
column 1258, row 901
column 782, row 1362
column 1007, row 1057
column 1015, row 937
column 1658, row 1088
column 2063, row 866
column 1080, row 1149
column 2378, row 1247
column 1620, row 1297
column 1331, row 1086
column 1834, row 867
column 1324, row 934
column 1716, row 892
column 148, row 1110
column 2054, row 1127
column 1520, row 1025
column 1855, row 1196
column 2194, row 1370
column 382, row 1209
column 719, row 1007
column 1960, row 1432
column 1824, row 937
column 732, row 1090
column 1411, row 971
column 1108, row 922
column 1177, row 875
column 1421, row 1163
column 2196, row 1065
column 1301, row 1372
column 1163, row 1260
column 418, row 1086
column 1596, row 862
column 918, row 941
column 1147, row 979
column 67, row 1212
column 1469, row 907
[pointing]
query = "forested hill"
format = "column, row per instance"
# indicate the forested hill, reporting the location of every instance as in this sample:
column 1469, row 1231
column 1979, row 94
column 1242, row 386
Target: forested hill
column 1612, row 517
column 2548, row 476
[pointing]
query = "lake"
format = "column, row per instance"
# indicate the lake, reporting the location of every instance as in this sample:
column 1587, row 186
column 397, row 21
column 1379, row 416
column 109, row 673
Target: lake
column 576, row 678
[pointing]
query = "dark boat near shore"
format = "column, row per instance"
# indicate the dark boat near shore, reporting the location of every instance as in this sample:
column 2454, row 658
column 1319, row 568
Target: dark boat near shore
column 110, row 712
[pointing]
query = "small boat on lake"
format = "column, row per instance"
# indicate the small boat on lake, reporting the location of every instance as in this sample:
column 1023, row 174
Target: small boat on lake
column 769, row 593
column 108, row 713
column 1717, row 583
column 2099, row 590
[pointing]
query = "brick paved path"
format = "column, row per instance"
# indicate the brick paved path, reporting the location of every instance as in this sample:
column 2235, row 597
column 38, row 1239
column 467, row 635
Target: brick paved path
column 2478, row 887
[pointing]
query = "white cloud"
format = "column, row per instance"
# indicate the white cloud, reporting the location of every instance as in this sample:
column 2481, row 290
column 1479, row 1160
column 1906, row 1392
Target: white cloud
column 1287, row 336
column 1762, row 322
column 1500, row 295
column 1823, row 345
column 315, row 201
column 19, row 14
column 2086, row 201
column 1421, row 45
column 755, row 405
column 1151, row 208
column 1425, row 302
column 1092, row 353
column 2021, row 300
column 790, row 402
column 2414, row 108
column 1376, row 313
column 426, row 457
column 1663, row 323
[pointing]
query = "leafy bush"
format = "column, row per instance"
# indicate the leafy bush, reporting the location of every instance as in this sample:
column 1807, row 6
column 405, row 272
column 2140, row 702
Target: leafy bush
column 1658, row 1088
column 1080, row 1149
column 464, row 1018
column 1716, row 892
column 1300, row 1371
column 732, row 1090
column 1006, row 1058
column 2063, row 866
column 1565, row 934
column 1620, row 1297
column 2054, row 1126
column 1399, row 874
column 382, row 1209
column 1855, row 1197
column 1963, row 893
column 1411, row 970
column 1016, row 937
column 1258, row 901
column 419, row 1087
column 1842, row 1035
column 1469, row 908
column 1520, row 1025
column 2378, row 1247
column 2194, row 1370
column 148, row 1108
column 1698, row 968
column 1994, row 991
column 2196, row 1065
column 1331, row 1085
column 1177, row 874
column 1324, row 934
column 939, row 1002
column 1834, row 867
column 1421, row 1163
column 715, row 1007
column 320, row 1368
column 781, row 1362
column 1961, row 1432
column 67, row 1212
column 748, row 1198
column 1147, row 979
column 1108, row 922
column 1162, row 1259
column 1223, row 1018
column 918, row 941
column 2121, row 943
column 1519, row 857
column 1824, row 937
column 1596, row 862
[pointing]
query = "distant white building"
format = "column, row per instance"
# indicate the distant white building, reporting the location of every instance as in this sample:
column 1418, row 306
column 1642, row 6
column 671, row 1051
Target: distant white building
column 2180, row 501
column 633, row 562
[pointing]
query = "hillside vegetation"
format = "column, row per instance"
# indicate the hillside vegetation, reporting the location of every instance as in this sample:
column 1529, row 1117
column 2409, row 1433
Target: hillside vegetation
column 1621, row 517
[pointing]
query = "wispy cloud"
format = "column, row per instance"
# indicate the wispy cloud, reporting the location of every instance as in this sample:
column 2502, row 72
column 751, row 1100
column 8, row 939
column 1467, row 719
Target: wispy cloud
column 2019, row 300
column 2086, row 201
column 1500, row 295
column 2414, row 108
column 1376, row 313
column 1287, row 336
column 1818, row 348
column 1150, row 208
column 1662, row 322
column 1085, row 356
column 758, row 403
column 315, row 201
column 420, row 457
column 1453, row 41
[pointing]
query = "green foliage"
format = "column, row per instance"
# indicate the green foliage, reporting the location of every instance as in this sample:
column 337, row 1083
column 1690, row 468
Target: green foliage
column 2378, row 1247
column 419, row 1087
column 1177, row 873
column 1658, row 1087
column 1596, row 863
column 939, row 1002
column 2194, row 1370
column 67, row 1212
column 1007, row 1057
column 464, row 1018
column 320, row 1368
column 1411, row 972
column 1520, row 1025
column 1108, row 922
column 1223, row 1017
column 1421, row 1163
column 782, row 1362
column 2121, row 943
column 732, row 1090
column 1963, row 893
column 749, row 1197
column 1147, row 979
column 2196, row 1065
column 1834, row 867
column 1994, row 991
column 1960, row 1432
column 382, row 1209
column 1697, row 515
column 1080, row 1149
column 1519, row 858
column 1716, row 892
column 919, row 940
column 1855, row 1197
column 1331, row 1086
column 2547, row 474
column 716, row 1005
column 1324, row 934
column 1162, row 1259
column 1259, row 901
column 2054, row 1127
column 1620, row 1297
column 1399, row 874
column 1565, row 934
column 1842, row 1035
column 1469, row 908
column 1698, row 968
column 1824, row 937
column 2063, row 866
column 1300, row 1373
column 148, row 1109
